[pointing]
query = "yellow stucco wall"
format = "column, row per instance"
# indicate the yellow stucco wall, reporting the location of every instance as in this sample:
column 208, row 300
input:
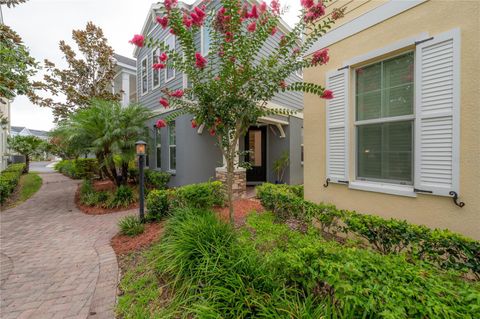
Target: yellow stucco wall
column 434, row 17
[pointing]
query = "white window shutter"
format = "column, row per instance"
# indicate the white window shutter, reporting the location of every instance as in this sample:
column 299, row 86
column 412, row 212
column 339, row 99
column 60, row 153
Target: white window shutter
column 337, row 127
column 437, row 120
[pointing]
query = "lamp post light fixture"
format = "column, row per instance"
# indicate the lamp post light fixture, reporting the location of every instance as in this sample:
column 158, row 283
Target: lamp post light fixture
column 141, row 147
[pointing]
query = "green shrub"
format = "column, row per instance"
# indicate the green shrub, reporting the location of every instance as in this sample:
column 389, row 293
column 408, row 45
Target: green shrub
column 158, row 205
column 9, row 179
column 203, row 195
column 442, row 248
column 131, row 226
column 372, row 285
column 270, row 271
column 156, row 179
column 123, row 197
column 79, row 168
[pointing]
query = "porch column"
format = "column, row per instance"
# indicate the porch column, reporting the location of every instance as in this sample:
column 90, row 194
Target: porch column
column 125, row 88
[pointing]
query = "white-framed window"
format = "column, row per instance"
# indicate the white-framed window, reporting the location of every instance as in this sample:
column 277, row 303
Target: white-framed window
column 144, row 76
column 384, row 120
column 172, row 147
column 158, row 148
column 406, row 118
column 205, row 40
column 169, row 72
column 155, row 73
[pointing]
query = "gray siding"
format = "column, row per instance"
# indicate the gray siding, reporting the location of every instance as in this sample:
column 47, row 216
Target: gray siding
column 198, row 155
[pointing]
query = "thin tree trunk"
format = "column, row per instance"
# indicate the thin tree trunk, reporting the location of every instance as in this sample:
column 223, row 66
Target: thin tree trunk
column 27, row 164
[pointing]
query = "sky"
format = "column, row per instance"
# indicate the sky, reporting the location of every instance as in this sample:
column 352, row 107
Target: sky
column 43, row 23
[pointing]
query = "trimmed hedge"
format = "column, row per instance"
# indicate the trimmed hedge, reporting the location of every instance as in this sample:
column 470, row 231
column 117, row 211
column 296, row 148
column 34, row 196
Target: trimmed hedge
column 160, row 203
column 441, row 248
column 81, row 168
column 9, row 180
column 156, row 179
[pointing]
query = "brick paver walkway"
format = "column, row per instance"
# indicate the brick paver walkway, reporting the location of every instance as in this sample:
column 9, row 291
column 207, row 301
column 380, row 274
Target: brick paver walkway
column 56, row 262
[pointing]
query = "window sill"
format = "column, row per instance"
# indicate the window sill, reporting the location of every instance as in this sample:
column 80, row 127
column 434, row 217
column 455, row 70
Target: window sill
column 386, row 188
column 172, row 172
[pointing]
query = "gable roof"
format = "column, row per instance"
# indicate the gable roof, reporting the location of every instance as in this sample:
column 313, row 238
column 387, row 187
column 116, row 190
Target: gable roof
column 125, row 60
column 26, row 131
column 155, row 7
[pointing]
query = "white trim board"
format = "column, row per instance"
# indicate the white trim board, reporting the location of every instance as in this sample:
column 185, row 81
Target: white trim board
column 363, row 22
column 402, row 44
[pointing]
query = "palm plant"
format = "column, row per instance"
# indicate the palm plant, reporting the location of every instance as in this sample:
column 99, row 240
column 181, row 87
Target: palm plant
column 110, row 131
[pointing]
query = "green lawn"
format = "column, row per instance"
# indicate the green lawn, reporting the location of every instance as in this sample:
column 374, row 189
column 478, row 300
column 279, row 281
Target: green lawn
column 28, row 185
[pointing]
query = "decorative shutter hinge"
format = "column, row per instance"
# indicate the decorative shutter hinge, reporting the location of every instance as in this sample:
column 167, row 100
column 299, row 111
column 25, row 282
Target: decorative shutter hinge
column 416, row 190
column 343, row 68
column 424, row 40
column 326, row 182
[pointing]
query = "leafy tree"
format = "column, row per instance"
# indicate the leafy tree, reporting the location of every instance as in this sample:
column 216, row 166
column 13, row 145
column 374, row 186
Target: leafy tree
column 12, row 3
column 27, row 146
column 16, row 64
column 110, row 132
column 62, row 144
column 232, row 85
column 87, row 76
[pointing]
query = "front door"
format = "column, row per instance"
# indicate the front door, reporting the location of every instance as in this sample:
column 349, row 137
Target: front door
column 256, row 144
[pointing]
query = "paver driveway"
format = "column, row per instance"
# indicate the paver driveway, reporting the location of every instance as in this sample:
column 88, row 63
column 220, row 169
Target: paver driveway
column 56, row 262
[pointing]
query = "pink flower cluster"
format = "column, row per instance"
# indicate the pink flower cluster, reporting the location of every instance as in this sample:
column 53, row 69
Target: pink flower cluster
column 138, row 40
column 200, row 61
column 163, row 21
column 196, row 18
column 320, row 57
column 327, row 95
column 164, row 102
column 159, row 66
column 275, row 5
column 177, row 94
column 162, row 58
column 314, row 11
column 170, row 4
column 161, row 123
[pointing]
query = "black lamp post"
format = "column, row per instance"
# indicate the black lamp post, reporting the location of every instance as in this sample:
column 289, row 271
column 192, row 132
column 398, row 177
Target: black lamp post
column 141, row 147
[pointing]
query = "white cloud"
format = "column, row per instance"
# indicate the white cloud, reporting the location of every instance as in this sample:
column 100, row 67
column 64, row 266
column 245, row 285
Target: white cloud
column 43, row 23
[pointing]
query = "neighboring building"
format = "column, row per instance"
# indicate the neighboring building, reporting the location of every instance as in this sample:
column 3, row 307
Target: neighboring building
column 401, row 136
column 125, row 80
column 192, row 155
column 23, row 131
column 4, row 131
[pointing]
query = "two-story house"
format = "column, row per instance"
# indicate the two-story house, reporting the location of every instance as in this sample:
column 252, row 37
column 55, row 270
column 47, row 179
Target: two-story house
column 192, row 156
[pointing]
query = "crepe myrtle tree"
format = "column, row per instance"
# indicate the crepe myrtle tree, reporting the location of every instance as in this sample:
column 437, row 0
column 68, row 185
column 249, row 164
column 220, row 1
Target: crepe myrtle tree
column 232, row 84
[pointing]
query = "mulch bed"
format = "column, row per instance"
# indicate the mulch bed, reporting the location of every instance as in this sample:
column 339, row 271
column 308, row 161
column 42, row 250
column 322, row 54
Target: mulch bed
column 94, row 210
column 123, row 244
column 241, row 207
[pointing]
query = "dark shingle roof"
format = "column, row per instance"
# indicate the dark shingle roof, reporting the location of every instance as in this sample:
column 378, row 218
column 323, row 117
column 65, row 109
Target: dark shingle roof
column 125, row 60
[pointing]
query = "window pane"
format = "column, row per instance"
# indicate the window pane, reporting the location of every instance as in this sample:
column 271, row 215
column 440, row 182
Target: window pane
column 159, row 157
column 158, row 141
column 155, row 73
column 398, row 86
column 173, row 158
column 370, row 151
column 255, row 145
column 368, row 95
column 385, row 151
column 369, row 105
column 385, row 89
column 171, row 134
column 170, row 43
